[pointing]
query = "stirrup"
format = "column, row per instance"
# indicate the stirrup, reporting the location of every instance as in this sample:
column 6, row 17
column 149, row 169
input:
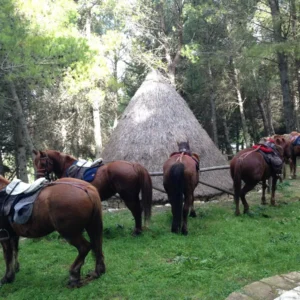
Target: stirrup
column 4, row 235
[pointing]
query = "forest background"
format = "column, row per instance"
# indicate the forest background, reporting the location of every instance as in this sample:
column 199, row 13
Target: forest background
column 69, row 68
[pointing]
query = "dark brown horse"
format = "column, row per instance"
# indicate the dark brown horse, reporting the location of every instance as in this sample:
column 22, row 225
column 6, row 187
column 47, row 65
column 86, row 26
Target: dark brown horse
column 68, row 206
column 250, row 166
column 125, row 178
column 181, row 176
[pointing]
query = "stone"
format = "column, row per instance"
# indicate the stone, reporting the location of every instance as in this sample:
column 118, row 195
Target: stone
column 260, row 290
column 280, row 282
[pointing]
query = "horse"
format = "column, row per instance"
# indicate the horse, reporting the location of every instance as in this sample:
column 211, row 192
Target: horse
column 67, row 206
column 180, row 178
column 122, row 177
column 250, row 166
column 294, row 153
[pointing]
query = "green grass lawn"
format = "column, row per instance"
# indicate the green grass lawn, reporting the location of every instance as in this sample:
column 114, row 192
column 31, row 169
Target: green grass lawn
column 221, row 254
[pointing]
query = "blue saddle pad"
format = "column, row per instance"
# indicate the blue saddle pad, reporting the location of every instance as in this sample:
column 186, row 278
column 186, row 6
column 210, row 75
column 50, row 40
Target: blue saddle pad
column 84, row 173
column 89, row 174
column 296, row 142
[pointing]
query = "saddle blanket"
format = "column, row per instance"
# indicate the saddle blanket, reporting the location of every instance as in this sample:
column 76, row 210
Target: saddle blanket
column 263, row 148
column 18, row 207
column 84, row 170
column 296, row 140
column 271, row 156
column 18, row 187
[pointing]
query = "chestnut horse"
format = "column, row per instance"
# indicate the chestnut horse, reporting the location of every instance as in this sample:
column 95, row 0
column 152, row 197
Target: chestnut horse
column 250, row 166
column 67, row 206
column 180, row 178
column 125, row 178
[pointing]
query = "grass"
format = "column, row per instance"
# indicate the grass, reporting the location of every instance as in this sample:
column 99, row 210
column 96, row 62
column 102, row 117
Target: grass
column 221, row 254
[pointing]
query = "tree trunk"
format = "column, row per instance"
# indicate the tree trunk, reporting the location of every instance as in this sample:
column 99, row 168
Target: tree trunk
column 97, row 125
column 235, row 80
column 295, row 28
column 22, row 136
column 95, row 96
column 213, row 107
column 269, row 115
column 1, row 165
column 172, row 58
column 267, row 129
column 227, row 140
column 282, row 66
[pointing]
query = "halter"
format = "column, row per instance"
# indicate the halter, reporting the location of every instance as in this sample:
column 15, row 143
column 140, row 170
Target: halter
column 45, row 171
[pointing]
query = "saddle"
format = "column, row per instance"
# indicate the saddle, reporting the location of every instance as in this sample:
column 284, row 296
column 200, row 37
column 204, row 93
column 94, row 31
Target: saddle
column 84, row 170
column 18, row 187
column 271, row 156
column 193, row 156
column 17, row 204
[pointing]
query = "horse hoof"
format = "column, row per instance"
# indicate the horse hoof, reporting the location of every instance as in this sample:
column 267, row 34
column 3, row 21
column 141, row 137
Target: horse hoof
column 92, row 275
column 5, row 280
column 175, row 230
column 184, row 232
column 264, row 203
column 193, row 214
column 74, row 284
column 137, row 232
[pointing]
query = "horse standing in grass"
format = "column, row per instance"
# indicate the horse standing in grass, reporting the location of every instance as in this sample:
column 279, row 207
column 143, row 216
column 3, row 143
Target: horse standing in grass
column 294, row 147
column 180, row 178
column 250, row 166
column 122, row 177
column 68, row 206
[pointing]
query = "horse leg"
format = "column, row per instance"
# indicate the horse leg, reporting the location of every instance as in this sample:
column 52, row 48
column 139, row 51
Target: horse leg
column 185, row 211
column 83, row 247
column 193, row 212
column 274, row 181
column 94, row 231
column 15, row 246
column 176, row 219
column 9, row 257
column 294, row 167
column 264, row 186
column 134, row 205
column 248, row 187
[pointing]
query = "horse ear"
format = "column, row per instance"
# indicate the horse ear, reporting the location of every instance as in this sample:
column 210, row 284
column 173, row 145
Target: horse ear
column 278, row 141
column 34, row 152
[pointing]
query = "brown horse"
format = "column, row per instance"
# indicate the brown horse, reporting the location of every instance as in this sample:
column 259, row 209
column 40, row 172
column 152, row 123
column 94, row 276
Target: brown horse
column 294, row 153
column 67, row 206
column 250, row 166
column 125, row 178
column 180, row 178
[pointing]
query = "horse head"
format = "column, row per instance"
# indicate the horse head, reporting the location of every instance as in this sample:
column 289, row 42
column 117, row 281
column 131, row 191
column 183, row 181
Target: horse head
column 184, row 147
column 43, row 164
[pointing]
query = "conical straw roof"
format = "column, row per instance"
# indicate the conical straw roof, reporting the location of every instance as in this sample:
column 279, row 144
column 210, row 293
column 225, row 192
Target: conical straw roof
column 156, row 118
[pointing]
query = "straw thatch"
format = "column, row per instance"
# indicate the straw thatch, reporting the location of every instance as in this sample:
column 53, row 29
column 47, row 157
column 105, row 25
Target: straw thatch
column 154, row 120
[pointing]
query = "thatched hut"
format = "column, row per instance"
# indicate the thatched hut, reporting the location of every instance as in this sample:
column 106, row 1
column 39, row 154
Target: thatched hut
column 154, row 120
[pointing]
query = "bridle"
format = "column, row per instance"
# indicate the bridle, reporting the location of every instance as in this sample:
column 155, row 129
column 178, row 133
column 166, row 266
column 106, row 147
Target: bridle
column 44, row 172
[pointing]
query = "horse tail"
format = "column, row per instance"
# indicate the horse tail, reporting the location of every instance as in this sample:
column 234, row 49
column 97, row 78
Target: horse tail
column 95, row 229
column 146, row 189
column 176, row 192
column 237, row 180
